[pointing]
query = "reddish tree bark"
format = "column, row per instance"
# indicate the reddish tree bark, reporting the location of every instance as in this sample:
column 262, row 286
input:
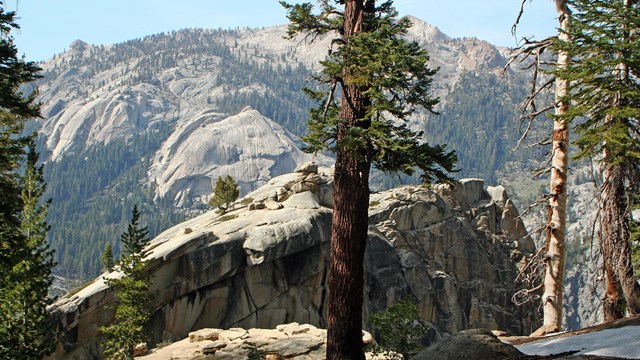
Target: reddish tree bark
column 623, row 290
column 350, row 216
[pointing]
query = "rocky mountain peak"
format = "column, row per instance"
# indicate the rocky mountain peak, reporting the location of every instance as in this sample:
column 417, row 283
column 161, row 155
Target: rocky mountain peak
column 78, row 45
column 426, row 32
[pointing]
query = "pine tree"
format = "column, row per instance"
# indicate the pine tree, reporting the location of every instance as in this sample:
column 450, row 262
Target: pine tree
column 371, row 83
column 15, row 109
column 106, row 260
column 25, row 259
column 225, row 193
column 605, row 95
column 27, row 328
column 133, row 300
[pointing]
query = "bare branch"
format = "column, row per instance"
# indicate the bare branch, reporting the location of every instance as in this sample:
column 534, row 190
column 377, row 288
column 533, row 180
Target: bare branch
column 531, row 117
column 541, row 172
column 327, row 105
column 541, row 200
column 531, row 277
column 520, row 13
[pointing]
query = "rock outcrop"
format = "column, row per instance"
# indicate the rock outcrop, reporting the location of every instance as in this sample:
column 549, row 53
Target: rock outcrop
column 475, row 344
column 452, row 248
column 286, row 341
column 247, row 146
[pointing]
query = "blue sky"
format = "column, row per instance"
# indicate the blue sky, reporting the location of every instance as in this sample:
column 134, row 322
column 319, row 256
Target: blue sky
column 49, row 26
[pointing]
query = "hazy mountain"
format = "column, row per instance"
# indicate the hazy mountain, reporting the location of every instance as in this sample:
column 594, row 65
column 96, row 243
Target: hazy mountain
column 154, row 121
column 95, row 94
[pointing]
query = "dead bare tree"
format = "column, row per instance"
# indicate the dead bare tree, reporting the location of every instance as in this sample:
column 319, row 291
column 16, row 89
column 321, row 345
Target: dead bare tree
column 554, row 250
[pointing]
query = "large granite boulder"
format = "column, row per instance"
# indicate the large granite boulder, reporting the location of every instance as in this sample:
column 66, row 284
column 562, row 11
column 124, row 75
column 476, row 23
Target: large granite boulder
column 474, row 344
column 264, row 263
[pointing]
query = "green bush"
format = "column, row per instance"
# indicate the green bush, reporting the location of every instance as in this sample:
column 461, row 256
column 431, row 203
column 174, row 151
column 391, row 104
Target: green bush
column 225, row 193
column 399, row 330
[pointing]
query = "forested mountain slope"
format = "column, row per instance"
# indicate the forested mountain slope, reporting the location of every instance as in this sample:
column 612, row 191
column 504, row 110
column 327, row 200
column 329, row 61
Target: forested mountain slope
column 120, row 121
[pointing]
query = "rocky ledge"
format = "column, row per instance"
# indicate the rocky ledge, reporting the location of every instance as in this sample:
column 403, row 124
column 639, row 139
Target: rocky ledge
column 455, row 249
column 303, row 342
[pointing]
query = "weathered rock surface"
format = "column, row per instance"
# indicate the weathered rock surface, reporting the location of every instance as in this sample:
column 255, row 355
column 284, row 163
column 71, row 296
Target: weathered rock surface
column 304, row 342
column 85, row 102
column 260, row 268
column 481, row 344
column 475, row 344
column 247, row 146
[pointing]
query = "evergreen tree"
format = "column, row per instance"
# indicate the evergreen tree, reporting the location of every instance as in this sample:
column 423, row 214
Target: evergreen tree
column 371, row 83
column 15, row 109
column 399, row 329
column 106, row 260
column 225, row 193
column 606, row 107
column 554, row 257
column 133, row 300
column 25, row 259
column 27, row 328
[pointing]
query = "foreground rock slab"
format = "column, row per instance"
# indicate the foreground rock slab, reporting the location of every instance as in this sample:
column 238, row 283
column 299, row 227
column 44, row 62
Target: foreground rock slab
column 619, row 339
column 289, row 341
column 481, row 344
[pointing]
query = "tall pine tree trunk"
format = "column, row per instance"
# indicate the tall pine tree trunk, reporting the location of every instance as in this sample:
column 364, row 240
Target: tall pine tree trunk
column 615, row 228
column 350, row 217
column 557, row 214
column 617, row 250
column 617, row 234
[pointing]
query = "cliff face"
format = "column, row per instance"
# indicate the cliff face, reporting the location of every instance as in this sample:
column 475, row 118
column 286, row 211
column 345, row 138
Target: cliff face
column 454, row 249
column 247, row 146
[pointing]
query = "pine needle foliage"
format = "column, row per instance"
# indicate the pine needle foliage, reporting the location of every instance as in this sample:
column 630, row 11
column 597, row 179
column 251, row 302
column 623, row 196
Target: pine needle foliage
column 26, row 326
column 107, row 259
column 605, row 94
column 225, row 193
column 16, row 107
column 133, row 300
column 394, row 77
column 26, row 330
column 399, row 329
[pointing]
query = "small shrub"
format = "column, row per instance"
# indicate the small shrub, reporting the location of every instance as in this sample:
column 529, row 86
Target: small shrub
column 227, row 217
column 399, row 329
column 253, row 353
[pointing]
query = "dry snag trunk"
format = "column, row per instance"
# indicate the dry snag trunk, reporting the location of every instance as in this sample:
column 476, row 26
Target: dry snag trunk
column 557, row 214
column 554, row 250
